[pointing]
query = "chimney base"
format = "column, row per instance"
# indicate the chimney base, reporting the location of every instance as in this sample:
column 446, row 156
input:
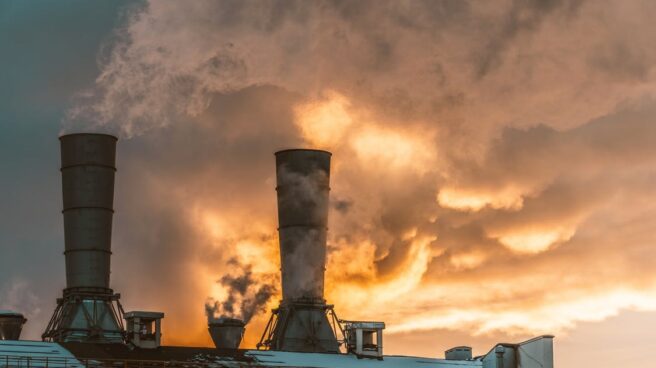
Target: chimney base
column 302, row 327
column 87, row 315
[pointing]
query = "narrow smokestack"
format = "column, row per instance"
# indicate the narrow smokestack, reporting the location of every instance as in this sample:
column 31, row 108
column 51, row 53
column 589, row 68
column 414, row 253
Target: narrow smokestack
column 89, row 310
column 303, row 178
column 88, row 167
column 301, row 323
column 227, row 333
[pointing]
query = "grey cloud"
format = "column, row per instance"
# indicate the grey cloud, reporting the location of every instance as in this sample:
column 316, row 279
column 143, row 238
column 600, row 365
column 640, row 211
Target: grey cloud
column 522, row 17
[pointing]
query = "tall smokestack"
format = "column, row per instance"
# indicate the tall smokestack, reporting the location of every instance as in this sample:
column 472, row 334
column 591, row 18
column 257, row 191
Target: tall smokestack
column 87, row 312
column 303, row 178
column 301, row 323
column 88, row 167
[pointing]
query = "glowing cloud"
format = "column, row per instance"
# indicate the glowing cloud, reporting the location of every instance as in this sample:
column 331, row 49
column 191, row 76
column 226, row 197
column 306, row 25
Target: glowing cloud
column 468, row 260
column 324, row 122
column 555, row 317
column 356, row 299
column 535, row 241
column 394, row 149
column 470, row 200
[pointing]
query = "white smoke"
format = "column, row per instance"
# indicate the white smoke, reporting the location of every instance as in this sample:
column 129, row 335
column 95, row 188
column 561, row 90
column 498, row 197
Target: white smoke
column 435, row 59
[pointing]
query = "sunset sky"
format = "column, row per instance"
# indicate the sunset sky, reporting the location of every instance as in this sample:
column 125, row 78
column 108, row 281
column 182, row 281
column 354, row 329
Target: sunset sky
column 493, row 169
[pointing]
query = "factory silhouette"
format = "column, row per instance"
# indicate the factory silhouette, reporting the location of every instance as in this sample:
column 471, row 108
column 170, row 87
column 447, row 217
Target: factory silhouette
column 89, row 327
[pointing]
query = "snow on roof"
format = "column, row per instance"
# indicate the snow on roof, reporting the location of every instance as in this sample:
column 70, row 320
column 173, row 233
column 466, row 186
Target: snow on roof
column 36, row 353
column 53, row 355
column 6, row 312
column 317, row 360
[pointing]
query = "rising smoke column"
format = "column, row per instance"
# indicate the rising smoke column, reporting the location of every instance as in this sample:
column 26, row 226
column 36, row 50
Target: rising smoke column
column 246, row 297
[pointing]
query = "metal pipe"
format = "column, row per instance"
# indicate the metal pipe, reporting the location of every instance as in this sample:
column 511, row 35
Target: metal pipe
column 88, row 167
column 303, row 177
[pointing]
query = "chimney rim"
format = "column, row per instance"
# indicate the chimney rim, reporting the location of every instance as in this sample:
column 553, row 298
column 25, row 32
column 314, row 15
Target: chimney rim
column 10, row 313
column 92, row 134
column 303, row 149
column 227, row 321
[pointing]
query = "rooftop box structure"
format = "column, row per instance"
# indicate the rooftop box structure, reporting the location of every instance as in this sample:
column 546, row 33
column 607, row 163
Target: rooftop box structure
column 144, row 329
column 364, row 339
column 534, row 353
column 458, row 353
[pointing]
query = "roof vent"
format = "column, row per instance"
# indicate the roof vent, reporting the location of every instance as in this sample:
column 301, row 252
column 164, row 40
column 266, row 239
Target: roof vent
column 144, row 329
column 364, row 339
column 459, row 353
column 227, row 332
column 11, row 325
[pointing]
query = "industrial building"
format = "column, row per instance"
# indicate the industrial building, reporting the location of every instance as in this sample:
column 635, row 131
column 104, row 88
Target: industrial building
column 89, row 327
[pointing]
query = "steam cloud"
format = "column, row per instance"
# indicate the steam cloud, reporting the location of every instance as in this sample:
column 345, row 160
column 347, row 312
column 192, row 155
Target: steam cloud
column 245, row 297
column 476, row 161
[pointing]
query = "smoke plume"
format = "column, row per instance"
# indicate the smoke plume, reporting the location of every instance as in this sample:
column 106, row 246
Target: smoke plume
column 245, row 296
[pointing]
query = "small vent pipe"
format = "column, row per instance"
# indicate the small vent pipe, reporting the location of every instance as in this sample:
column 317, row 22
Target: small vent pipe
column 227, row 333
column 11, row 325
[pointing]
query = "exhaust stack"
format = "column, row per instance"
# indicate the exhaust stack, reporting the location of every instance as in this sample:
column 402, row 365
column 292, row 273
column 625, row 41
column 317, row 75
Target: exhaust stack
column 89, row 310
column 88, row 166
column 303, row 179
column 227, row 333
column 301, row 323
column 11, row 325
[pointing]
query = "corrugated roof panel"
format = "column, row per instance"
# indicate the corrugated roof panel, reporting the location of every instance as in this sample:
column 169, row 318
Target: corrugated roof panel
column 36, row 353
column 316, row 360
column 19, row 353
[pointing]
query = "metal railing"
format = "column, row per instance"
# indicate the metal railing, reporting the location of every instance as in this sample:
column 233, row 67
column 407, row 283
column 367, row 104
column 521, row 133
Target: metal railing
column 13, row 361
column 22, row 361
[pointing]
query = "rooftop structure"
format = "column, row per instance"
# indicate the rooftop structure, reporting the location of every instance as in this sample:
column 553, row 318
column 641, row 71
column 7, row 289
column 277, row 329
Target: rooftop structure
column 144, row 329
column 89, row 310
column 304, row 322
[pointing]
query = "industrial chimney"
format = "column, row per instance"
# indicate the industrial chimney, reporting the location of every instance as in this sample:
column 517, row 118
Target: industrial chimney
column 11, row 325
column 302, row 320
column 227, row 333
column 89, row 310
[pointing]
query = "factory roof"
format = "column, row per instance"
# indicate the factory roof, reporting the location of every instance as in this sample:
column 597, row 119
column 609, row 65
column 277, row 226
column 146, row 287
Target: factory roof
column 16, row 353
column 163, row 353
column 78, row 355
column 317, row 360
